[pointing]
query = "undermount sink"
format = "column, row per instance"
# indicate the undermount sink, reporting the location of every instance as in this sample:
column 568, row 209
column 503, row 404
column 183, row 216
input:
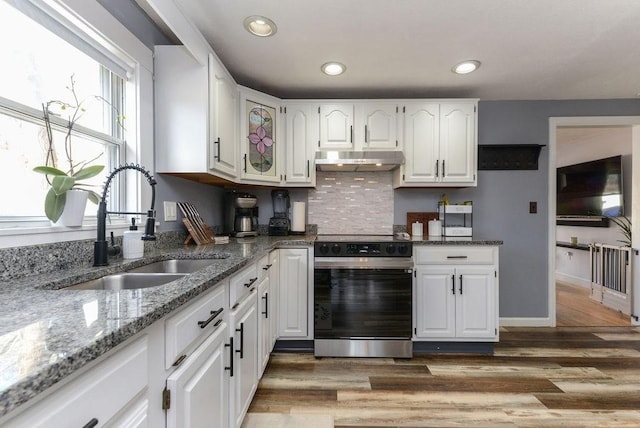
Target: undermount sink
column 127, row 281
column 150, row 275
column 174, row 266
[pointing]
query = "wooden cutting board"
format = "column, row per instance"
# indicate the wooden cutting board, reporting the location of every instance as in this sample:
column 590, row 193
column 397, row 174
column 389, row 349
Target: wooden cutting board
column 423, row 218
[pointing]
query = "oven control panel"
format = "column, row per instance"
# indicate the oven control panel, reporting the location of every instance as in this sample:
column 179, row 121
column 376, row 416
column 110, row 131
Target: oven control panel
column 369, row 249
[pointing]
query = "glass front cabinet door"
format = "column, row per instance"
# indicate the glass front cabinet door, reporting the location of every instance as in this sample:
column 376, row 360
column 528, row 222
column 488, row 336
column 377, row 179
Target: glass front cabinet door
column 259, row 137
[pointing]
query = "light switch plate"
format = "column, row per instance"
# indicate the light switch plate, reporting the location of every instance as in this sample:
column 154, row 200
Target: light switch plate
column 170, row 213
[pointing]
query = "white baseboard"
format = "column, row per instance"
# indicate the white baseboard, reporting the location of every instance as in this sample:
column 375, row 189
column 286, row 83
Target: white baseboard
column 525, row 322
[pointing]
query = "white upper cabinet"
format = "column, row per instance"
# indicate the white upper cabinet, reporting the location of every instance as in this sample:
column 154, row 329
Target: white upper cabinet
column 260, row 143
column 458, row 142
column 377, row 126
column 302, row 130
column 421, row 143
column 440, row 144
column 223, row 119
column 361, row 125
column 336, row 126
column 195, row 114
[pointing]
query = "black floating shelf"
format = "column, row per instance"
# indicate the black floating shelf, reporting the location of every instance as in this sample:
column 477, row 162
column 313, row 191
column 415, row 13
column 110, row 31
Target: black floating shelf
column 496, row 157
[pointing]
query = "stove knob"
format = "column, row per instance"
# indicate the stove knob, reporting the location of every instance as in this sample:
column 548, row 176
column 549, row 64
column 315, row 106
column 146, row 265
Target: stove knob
column 403, row 249
column 391, row 249
column 335, row 248
column 324, row 249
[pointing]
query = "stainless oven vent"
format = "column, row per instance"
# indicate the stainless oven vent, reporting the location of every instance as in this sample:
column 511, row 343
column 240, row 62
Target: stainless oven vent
column 365, row 161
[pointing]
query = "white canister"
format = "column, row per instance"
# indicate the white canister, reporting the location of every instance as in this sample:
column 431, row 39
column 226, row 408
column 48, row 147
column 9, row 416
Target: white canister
column 435, row 228
column 417, row 231
column 132, row 243
column 298, row 220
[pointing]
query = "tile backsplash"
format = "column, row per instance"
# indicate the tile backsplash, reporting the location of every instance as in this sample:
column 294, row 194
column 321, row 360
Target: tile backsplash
column 352, row 203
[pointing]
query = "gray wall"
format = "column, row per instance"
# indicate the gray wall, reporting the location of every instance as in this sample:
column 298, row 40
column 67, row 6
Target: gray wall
column 501, row 200
column 209, row 200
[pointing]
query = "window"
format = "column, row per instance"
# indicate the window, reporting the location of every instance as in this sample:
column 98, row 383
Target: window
column 45, row 60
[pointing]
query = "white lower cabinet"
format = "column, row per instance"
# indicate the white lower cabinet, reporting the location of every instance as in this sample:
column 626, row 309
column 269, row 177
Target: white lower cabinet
column 265, row 314
column 113, row 393
column 293, row 293
column 274, row 281
column 197, row 350
column 200, row 386
column 456, row 294
column 244, row 331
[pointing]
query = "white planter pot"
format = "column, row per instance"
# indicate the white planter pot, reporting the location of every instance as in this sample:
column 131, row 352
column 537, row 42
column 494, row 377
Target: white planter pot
column 73, row 209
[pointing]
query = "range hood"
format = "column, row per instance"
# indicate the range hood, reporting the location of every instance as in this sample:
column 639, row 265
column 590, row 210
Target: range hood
column 358, row 161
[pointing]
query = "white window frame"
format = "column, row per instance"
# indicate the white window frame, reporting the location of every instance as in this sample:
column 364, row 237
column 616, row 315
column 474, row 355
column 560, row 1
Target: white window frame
column 91, row 20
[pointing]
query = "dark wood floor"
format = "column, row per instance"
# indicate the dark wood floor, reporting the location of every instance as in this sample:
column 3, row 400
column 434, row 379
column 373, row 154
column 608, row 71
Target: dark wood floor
column 574, row 307
column 568, row 376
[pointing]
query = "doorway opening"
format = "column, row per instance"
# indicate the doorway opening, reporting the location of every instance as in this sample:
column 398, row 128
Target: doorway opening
column 571, row 141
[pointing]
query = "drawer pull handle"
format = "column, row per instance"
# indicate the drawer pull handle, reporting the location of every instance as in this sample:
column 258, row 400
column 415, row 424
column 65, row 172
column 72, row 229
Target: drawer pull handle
column 251, row 281
column 179, row 360
column 92, row 423
column 217, row 155
column 241, row 330
column 214, row 315
column 267, row 267
column 230, row 346
column 266, row 305
column 456, row 257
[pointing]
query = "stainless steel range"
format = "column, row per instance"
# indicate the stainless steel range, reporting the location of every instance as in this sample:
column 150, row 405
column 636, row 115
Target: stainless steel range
column 362, row 296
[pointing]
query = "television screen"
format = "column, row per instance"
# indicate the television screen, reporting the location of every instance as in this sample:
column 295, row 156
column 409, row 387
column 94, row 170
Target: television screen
column 590, row 189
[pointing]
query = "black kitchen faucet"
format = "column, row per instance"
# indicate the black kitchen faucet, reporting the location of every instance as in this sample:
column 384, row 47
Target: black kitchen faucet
column 101, row 247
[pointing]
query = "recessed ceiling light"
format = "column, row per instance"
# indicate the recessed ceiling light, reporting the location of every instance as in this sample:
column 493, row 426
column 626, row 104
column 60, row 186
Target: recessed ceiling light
column 466, row 67
column 260, row 26
column 333, row 68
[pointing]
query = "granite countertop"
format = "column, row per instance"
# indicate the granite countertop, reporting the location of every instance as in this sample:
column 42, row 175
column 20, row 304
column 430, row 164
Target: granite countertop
column 47, row 334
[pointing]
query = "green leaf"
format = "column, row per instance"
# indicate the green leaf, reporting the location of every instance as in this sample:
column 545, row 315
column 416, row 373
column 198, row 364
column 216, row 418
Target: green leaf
column 60, row 184
column 49, row 170
column 88, row 172
column 94, row 197
column 54, row 205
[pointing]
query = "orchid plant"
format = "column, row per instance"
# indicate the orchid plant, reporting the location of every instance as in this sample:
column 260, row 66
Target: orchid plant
column 74, row 172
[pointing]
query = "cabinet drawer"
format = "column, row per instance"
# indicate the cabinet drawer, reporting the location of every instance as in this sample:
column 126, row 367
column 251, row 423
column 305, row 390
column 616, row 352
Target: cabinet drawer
column 96, row 396
column 454, row 255
column 190, row 326
column 240, row 284
column 263, row 267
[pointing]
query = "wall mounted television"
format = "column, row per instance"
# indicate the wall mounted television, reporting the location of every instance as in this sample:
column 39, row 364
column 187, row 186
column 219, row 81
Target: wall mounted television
column 589, row 192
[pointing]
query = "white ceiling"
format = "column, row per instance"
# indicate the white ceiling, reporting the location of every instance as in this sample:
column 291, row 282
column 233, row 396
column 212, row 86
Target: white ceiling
column 529, row 49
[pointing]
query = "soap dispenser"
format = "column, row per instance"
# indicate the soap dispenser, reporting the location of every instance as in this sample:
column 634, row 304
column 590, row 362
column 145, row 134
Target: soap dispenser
column 132, row 243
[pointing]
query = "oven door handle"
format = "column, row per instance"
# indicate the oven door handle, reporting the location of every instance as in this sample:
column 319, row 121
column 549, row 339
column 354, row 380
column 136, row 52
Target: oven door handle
column 363, row 263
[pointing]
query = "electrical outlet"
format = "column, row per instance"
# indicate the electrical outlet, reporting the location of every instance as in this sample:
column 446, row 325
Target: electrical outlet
column 533, row 207
column 170, row 213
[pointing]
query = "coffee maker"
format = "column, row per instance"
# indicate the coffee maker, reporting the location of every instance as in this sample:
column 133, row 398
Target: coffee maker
column 279, row 224
column 244, row 215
